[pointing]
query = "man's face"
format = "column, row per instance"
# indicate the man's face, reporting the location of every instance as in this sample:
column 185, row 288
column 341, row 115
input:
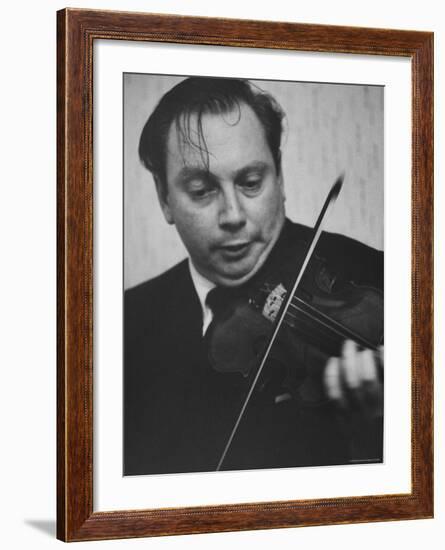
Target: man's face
column 229, row 214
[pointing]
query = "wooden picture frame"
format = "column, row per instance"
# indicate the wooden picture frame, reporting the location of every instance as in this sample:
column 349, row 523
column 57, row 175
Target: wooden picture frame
column 77, row 31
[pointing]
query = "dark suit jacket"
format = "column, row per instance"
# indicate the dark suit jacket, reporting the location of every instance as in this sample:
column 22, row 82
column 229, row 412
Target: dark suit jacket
column 179, row 411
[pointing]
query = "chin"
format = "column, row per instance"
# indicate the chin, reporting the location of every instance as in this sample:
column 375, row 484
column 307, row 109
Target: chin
column 236, row 279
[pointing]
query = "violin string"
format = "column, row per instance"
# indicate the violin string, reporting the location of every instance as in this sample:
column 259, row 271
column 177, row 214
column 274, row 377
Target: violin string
column 331, row 324
column 331, row 329
column 343, row 332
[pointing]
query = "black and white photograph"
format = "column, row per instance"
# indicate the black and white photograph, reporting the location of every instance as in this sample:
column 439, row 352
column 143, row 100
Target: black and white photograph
column 253, row 274
column 221, row 243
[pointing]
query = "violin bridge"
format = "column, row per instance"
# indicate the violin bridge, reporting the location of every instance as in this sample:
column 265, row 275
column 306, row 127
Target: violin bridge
column 273, row 302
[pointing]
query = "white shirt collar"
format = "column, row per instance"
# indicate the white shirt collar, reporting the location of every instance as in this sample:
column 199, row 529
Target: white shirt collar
column 202, row 286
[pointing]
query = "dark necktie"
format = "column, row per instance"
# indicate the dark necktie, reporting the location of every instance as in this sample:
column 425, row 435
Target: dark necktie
column 227, row 305
column 221, row 300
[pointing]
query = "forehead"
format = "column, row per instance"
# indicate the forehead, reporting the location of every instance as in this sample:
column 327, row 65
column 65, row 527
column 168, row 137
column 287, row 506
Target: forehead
column 216, row 140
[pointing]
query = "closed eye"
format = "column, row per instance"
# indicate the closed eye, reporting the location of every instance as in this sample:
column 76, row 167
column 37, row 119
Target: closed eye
column 251, row 186
column 251, row 178
column 199, row 189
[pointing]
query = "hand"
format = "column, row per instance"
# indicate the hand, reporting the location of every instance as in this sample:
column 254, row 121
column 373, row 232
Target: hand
column 353, row 381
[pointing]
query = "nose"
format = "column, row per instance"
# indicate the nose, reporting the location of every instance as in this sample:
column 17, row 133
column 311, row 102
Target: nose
column 232, row 215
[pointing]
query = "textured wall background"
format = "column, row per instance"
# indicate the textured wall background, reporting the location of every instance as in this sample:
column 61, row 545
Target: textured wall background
column 329, row 128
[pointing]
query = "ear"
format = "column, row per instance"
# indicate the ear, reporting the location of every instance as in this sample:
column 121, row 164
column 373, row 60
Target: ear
column 163, row 198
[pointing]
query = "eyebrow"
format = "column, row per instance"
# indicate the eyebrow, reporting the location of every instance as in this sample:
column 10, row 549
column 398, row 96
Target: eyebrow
column 189, row 173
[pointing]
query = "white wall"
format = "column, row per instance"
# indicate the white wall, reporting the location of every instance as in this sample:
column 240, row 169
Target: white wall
column 27, row 217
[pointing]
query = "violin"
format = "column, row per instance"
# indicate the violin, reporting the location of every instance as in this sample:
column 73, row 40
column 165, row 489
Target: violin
column 294, row 310
column 321, row 317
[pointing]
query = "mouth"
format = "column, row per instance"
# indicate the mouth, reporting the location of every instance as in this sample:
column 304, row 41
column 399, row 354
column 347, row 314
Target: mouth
column 235, row 251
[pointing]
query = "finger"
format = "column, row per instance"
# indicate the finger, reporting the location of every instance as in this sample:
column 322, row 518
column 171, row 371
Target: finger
column 371, row 387
column 381, row 353
column 349, row 365
column 367, row 367
column 332, row 379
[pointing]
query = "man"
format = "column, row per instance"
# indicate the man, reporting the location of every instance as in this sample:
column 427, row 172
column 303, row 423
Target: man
column 213, row 147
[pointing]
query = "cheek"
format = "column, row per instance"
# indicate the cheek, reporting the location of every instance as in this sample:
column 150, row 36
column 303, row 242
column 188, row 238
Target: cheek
column 266, row 213
column 195, row 229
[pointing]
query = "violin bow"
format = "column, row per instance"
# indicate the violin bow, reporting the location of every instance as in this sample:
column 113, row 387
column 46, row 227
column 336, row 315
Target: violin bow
column 318, row 228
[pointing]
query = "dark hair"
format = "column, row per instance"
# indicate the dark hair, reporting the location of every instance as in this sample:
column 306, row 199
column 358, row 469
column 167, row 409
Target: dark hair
column 198, row 96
